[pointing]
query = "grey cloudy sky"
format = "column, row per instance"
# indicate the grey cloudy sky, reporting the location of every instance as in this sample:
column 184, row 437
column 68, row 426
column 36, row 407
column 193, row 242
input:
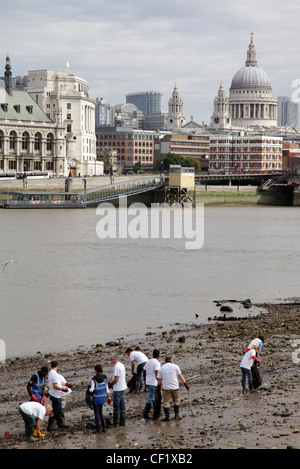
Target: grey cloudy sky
column 123, row 46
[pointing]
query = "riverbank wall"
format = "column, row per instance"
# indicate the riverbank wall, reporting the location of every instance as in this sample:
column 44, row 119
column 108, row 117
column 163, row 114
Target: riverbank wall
column 207, row 194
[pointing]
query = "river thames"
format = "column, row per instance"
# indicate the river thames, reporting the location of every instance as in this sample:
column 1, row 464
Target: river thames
column 70, row 288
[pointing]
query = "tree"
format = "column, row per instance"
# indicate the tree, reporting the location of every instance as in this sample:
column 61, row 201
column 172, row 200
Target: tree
column 138, row 169
column 175, row 159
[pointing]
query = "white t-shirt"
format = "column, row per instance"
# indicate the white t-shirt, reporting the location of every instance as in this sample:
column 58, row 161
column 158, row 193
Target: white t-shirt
column 169, row 374
column 55, row 377
column 138, row 357
column 257, row 342
column 34, row 408
column 151, row 366
column 247, row 360
column 119, row 370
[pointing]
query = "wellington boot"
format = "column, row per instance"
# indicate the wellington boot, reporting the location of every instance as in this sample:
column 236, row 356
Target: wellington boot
column 116, row 418
column 176, row 410
column 50, row 423
column 122, row 418
column 167, row 415
column 146, row 411
column 103, row 423
column 251, row 387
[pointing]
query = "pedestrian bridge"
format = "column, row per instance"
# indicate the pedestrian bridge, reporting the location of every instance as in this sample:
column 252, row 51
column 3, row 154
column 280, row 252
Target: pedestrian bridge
column 112, row 192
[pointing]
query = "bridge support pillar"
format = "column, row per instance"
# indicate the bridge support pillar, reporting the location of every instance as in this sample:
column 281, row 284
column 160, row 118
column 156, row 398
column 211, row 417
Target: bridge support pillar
column 180, row 195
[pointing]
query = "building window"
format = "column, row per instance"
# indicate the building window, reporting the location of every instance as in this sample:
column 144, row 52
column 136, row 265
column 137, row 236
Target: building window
column 25, row 141
column 12, row 140
column 50, row 142
column 37, row 141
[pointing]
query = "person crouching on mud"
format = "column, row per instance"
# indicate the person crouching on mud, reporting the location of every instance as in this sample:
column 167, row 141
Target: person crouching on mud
column 246, row 364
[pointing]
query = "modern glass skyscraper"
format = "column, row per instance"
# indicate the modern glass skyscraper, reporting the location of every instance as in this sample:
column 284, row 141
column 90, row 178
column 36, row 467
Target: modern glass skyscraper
column 287, row 111
column 146, row 101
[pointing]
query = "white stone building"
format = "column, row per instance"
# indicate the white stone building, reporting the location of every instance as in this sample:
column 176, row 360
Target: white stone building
column 65, row 99
column 29, row 140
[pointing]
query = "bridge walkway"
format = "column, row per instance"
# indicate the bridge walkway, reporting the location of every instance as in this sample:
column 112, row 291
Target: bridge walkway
column 111, row 192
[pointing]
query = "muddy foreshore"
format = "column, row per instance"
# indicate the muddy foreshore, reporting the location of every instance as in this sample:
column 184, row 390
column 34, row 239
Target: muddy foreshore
column 215, row 414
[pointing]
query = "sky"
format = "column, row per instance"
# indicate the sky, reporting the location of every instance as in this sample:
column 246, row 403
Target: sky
column 125, row 46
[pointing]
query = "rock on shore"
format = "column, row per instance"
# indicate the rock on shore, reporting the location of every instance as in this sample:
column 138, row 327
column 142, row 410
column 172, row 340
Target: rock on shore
column 215, row 413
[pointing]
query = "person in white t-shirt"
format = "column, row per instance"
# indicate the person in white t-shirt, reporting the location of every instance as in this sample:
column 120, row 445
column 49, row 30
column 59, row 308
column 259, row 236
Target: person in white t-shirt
column 151, row 368
column 259, row 341
column 168, row 379
column 140, row 359
column 246, row 365
column 119, row 386
column 33, row 413
column 57, row 388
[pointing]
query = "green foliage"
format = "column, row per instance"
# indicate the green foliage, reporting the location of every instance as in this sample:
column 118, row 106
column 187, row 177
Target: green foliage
column 175, row 159
column 138, row 169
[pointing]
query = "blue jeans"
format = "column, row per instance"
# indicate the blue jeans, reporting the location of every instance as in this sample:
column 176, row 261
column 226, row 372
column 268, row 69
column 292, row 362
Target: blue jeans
column 151, row 394
column 56, row 405
column 98, row 412
column 118, row 400
column 246, row 373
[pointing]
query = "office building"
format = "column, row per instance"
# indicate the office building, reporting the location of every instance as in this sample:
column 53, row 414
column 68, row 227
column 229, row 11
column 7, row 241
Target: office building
column 245, row 153
column 287, row 112
column 132, row 146
column 146, row 101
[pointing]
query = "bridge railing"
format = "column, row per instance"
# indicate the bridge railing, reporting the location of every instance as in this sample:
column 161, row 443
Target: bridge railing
column 122, row 189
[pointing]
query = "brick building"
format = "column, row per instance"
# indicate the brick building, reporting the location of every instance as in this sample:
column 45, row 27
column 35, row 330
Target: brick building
column 132, row 146
column 245, row 153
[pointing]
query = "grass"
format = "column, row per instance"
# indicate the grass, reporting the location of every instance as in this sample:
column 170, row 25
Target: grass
column 223, row 198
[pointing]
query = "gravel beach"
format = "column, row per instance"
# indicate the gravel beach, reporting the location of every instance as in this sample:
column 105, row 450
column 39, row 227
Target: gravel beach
column 215, row 413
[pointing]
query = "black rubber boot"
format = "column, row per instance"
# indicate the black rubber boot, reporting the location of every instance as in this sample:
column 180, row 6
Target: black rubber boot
column 116, row 418
column 50, row 424
column 122, row 418
column 103, row 423
column 97, row 429
column 244, row 387
column 176, row 410
column 146, row 411
column 167, row 415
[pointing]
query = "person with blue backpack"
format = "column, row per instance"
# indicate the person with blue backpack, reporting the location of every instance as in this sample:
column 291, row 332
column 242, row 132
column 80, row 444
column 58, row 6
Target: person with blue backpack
column 99, row 389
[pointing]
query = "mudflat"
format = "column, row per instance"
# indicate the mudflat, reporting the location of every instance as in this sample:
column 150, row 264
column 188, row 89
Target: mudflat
column 215, row 414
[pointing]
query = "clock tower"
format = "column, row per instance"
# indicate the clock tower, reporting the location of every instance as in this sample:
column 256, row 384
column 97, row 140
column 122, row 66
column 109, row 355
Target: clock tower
column 175, row 119
column 221, row 117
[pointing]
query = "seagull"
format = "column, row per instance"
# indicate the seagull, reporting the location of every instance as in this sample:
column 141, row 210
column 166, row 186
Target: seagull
column 8, row 262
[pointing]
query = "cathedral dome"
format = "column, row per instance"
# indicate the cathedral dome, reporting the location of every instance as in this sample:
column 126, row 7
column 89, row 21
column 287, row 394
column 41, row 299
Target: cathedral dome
column 250, row 77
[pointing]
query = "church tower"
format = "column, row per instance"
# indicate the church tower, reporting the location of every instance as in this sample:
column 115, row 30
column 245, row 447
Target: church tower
column 221, row 117
column 7, row 77
column 175, row 119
